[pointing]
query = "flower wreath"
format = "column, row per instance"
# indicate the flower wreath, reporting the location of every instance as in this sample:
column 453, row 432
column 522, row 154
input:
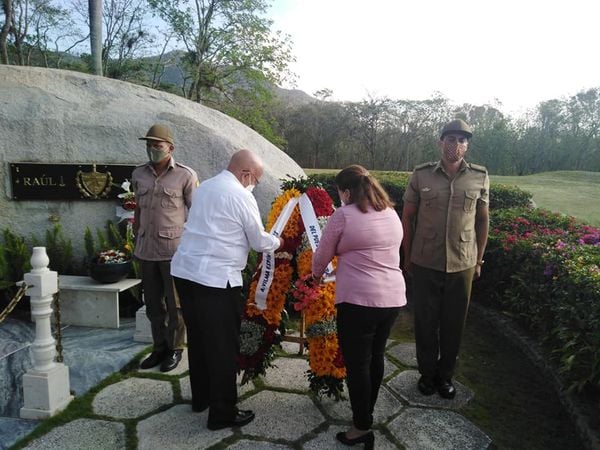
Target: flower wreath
column 292, row 270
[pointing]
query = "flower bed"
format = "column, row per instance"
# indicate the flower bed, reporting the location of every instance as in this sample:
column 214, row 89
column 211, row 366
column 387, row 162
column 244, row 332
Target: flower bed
column 259, row 328
column 544, row 268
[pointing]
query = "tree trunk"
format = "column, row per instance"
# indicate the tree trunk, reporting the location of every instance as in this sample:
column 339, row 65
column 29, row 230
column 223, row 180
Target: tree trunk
column 7, row 8
column 95, row 11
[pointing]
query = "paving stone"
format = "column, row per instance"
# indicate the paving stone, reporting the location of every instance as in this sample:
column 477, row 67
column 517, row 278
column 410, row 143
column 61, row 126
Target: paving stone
column 178, row 428
column 433, row 429
column 404, row 352
column 186, row 389
column 405, row 385
column 289, row 373
column 387, row 405
column 388, row 368
column 326, row 440
column 281, row 415
column 181, row 368
column 246, row 444
column 132, row 398
column 82, row 434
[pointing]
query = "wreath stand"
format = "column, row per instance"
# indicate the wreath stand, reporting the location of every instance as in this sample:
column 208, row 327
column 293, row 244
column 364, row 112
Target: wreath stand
column 300, row 340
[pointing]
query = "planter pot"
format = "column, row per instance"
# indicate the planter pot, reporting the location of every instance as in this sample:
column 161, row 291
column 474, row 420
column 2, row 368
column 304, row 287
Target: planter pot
column 111, row 272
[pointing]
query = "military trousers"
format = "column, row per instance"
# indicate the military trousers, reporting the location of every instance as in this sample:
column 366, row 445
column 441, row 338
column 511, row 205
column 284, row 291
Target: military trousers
column 162, row 306
column 441, row 301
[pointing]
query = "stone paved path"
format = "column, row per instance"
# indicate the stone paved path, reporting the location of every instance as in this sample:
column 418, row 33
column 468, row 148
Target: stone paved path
column 288, row 416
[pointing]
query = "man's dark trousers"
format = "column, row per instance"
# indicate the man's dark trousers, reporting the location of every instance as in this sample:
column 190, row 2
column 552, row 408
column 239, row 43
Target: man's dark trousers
column 162, row 306
column 212, row 317
column 441, row 301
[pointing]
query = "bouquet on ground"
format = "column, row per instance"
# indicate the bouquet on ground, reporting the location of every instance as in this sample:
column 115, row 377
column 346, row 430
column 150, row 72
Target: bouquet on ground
column 292, row 264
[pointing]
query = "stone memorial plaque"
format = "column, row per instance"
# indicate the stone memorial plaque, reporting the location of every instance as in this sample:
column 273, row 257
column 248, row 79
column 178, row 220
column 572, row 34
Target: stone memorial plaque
column 39, row 181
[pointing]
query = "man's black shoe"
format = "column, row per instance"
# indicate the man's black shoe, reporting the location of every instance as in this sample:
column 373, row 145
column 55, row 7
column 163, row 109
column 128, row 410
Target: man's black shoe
column 426, row 385
column 445, row 388
column 171, row 361
column 153, row 360
column 241, row 418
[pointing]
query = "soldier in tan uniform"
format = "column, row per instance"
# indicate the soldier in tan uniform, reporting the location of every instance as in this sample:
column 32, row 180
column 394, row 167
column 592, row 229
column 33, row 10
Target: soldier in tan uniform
column 163, row 191
column 445, row 219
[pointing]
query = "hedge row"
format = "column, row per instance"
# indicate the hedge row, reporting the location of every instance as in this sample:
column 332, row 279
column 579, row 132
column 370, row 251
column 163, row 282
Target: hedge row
column 501, row 196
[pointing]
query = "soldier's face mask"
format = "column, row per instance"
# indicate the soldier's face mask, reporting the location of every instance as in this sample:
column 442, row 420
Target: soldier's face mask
column 454, row 147
column 157, row 151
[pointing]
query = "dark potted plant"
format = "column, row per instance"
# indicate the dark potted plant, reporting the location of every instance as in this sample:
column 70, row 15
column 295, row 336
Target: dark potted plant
column 110, row 266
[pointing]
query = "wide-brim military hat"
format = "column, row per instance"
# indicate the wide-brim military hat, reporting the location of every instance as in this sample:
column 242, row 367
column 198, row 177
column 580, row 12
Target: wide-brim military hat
column 159, row 132
column 457, row 126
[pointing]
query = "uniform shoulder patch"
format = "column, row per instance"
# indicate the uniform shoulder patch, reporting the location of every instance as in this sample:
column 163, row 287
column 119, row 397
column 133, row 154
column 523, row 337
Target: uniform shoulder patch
column 425, row 165
column 477, row 167
column 189, row 169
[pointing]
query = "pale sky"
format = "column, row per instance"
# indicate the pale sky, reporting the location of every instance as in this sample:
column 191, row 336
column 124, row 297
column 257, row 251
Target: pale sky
column 519, row 52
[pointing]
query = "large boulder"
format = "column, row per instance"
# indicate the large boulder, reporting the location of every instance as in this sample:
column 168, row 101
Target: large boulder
column 57, row 116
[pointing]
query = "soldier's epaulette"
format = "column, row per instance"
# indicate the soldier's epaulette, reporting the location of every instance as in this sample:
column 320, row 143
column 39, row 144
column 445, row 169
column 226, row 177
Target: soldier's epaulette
column 477, row 167
column 425, row 165
column 192, row 171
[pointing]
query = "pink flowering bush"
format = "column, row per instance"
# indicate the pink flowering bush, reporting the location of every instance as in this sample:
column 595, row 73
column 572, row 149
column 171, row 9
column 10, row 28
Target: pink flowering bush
column 544, row 269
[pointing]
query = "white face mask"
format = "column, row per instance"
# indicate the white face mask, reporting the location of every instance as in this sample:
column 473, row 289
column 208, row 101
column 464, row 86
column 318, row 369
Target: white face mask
column 250, row 187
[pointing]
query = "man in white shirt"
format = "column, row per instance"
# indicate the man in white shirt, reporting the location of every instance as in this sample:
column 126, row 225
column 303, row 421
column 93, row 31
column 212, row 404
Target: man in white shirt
column 223, row 224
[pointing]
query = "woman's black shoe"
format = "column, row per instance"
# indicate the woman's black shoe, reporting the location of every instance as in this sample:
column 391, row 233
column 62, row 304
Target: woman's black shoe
column 368, row 439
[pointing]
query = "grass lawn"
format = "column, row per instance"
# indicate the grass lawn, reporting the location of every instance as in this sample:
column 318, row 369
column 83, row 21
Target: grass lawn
column 574, row 193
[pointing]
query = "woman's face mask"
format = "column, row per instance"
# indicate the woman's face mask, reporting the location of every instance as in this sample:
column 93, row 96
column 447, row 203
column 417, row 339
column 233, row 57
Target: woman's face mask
column 344, row 196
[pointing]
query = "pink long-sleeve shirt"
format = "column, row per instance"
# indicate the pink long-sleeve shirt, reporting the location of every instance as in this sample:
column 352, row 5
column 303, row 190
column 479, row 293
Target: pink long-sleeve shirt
column 368, row 248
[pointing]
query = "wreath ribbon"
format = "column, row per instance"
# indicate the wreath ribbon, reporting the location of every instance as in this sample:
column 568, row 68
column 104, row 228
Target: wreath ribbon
column 313, row 231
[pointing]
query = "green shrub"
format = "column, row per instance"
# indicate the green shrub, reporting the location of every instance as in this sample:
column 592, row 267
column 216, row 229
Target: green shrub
column 15, row 261
column 59, row 250
column 501, row 196
column 544, row 268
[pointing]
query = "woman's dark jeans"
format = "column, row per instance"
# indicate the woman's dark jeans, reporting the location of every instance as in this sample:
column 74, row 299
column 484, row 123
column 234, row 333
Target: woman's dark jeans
column 363, row 332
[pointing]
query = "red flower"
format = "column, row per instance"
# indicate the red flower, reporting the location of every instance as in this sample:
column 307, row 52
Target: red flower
column 321, row 201
column 339, row 359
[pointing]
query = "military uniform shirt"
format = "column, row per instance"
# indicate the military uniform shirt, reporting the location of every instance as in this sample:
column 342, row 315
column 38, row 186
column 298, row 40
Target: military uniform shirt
column 163, row 201
column 444, row 237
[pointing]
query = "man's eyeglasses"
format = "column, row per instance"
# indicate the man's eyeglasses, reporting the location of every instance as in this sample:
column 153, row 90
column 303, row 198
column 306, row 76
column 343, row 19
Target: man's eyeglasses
column 253, row 176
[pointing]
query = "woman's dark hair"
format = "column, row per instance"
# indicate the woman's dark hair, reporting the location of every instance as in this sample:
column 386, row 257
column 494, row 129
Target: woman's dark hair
column 364, row 190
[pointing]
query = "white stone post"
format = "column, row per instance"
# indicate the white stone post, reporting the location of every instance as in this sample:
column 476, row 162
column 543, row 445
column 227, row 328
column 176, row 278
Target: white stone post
column 46, row 389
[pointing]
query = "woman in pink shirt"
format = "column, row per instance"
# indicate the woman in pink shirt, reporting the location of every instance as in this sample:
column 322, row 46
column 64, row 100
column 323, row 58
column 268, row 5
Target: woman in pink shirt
column 365, row 234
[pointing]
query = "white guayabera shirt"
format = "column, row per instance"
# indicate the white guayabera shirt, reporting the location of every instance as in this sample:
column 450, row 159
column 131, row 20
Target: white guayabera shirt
column 223, row 224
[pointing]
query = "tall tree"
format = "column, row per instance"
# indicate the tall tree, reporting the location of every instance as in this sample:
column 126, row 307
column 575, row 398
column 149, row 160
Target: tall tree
column 7, row 9
column 95, row 12
column 227, row 43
